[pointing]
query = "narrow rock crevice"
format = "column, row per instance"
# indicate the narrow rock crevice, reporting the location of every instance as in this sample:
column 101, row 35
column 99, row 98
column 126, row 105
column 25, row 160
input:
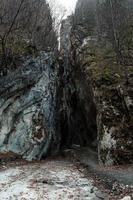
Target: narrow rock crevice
column 78, row 110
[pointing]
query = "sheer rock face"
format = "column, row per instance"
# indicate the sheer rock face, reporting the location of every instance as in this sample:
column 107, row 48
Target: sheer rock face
column 115, row 124
column 96, row 93
column 113, row 98
column 112, row 93
column 27, row 108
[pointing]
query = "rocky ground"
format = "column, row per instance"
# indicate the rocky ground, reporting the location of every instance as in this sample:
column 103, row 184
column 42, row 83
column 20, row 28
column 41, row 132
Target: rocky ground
column 116, row 181
column 53, row 179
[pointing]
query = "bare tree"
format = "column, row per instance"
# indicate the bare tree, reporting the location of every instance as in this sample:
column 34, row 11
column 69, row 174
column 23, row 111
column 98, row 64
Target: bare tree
column 6, row 33
column 24, row 23
column 114, row 22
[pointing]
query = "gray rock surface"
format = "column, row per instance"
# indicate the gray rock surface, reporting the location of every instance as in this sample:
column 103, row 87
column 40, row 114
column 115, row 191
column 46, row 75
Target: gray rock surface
column 58, row 179
column 27, row 108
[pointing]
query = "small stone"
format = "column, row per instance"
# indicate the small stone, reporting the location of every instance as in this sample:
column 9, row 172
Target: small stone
column 101, row 195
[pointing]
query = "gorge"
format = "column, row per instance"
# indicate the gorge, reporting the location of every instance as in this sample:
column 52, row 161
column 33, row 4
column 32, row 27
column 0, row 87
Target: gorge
column 77, row 99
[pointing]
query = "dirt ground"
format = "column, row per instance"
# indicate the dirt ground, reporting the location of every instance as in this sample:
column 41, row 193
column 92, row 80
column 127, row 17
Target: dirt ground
column 49, row 180
column 60, row 179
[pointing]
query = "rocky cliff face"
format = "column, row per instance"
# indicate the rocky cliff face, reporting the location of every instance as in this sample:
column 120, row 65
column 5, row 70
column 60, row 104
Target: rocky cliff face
column 98, row 94
column 113, row 98
column 84, row 99
column 28, row 108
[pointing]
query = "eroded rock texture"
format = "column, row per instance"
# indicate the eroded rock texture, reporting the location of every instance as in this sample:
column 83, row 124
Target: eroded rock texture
column 97, row 82
column 27, row 108
column 113, row 98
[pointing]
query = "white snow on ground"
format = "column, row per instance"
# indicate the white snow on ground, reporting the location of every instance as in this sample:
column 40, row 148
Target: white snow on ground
column 51, row 180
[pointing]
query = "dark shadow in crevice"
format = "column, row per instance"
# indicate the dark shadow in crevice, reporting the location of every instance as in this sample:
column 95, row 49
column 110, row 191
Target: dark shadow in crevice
column 78, row 126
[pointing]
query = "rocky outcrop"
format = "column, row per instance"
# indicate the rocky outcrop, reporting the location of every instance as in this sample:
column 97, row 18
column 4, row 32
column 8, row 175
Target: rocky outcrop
column 97, row 93
column 113, row 97
column 28, row 108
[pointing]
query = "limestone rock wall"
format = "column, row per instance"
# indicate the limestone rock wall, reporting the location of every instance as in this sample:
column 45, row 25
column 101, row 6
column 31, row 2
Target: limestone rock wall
column 111, row 85
column 113, row 97
column 27, row 108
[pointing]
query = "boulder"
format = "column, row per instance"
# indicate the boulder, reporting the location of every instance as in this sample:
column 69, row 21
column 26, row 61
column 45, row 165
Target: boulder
column 27, row 108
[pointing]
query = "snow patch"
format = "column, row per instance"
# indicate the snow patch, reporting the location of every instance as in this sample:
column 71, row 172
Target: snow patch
column 49, row 180
column 126, row 198
column 107, row 141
